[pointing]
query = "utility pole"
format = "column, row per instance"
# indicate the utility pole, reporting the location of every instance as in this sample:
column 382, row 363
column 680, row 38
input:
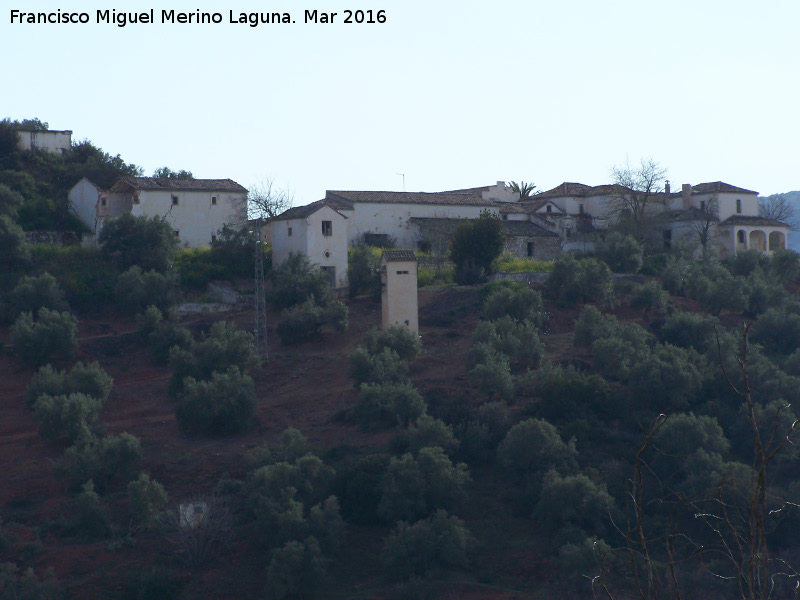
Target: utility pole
column 403, row 175
column 260, row 331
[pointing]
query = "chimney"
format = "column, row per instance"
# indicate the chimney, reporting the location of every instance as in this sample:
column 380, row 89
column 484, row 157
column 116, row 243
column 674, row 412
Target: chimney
column 666, row 186
column 686, row 192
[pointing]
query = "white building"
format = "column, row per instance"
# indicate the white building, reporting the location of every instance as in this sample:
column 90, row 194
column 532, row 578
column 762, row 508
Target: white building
column 399, row 296
column 197, row 209
column 84, row 198
column 318, row 230
column 56, row 142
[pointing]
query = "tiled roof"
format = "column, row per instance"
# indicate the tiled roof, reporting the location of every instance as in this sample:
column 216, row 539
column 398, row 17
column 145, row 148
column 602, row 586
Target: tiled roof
column 751, row 222
column 441, row 198
column 185, row 185
column 579, row 190
column 476, row 191
column 301, row 212
column 719, row 187
column 399, row 255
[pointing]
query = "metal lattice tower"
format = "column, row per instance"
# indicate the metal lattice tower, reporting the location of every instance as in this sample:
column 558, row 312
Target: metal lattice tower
column 260, row 331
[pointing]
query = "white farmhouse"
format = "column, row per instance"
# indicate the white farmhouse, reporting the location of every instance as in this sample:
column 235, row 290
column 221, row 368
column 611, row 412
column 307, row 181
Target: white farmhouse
column 84, row 198
column 318, row 230
column 196, row 208
column 53, row 141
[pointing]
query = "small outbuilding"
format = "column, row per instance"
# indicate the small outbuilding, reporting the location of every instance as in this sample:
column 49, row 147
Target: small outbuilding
column 399, row 289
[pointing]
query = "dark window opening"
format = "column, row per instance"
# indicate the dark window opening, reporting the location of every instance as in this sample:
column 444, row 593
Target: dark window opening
column 213, row 199
column 550, row 208
column 424, row 246
column 702, row 204
column 740, row 236
column 213, row 239
column 174, row 200
column 530, row 249
column 177, row 233
column 738, row 206
column 327, row 228
column 289, row 234
column 667, row 238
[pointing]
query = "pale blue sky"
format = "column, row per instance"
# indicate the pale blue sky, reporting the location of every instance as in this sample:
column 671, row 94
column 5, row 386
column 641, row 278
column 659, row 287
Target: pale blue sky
column 453, row 94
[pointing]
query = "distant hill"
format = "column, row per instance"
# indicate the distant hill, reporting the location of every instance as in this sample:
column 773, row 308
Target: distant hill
column 794, row 199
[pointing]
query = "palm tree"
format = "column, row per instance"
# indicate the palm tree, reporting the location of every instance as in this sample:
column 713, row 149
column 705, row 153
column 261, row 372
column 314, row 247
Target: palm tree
column 525, row 190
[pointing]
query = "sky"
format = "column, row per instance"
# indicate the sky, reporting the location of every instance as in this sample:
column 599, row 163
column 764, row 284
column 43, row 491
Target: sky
column 443, row 95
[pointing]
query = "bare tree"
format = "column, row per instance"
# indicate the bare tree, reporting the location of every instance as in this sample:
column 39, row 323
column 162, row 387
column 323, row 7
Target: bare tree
column 199, row 529
column 704, row 228
column 637, row 192
column 266, row 200
column 778, row 208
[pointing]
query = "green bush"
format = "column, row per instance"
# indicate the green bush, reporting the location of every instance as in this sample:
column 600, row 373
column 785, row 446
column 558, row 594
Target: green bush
column 14, row 251
column 574, row 502
column 763, row 292
column 297, row 280
column 224, row 405
column 690, row 330
column 785, row 265
column 592, row 325
column 508, row 263
column 475, row 246
column 234, row 251
column 147, row 500
column 66, row 415
column 533, row 447
column 224, row 346
column 107, row 461
column 519, row 341
column 440, row 541
column 155, row 584
column 52, row 335
column 363, row 271
column 383, row 367
column 297, row 570
column 649, row 296
column 668, row 378
column 358, row 487
column 388, row 403
column 89, row 379
column 303, row 321
column 573, row 281
column 148, row 243
column 26, row 585
column 401, row 339
column 777, row 332
column 623, row 254
column 160, row 335
column 308, row 476
column 91, row 517
column 520, row 303
column 745, row 262
column 196, row 267
column 33, row 293
column 414, row 487
column 429, row 432
column 136, row 290
column 490, row 371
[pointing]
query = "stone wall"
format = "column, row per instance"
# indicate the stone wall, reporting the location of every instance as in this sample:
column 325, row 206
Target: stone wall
column 52, row 238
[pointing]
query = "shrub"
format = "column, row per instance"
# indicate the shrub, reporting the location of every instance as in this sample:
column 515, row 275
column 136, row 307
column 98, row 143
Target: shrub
column 785, row 265
column 777, row 332
column 358, row 487
column 160, row 335
column 155, row 584
column 490, row 372
column 623, row 254
column 676, row 275
column 480, row 435
column 592, row 325
column 234, row 251
column 715, row 289
column 518, row 341
column 27, row 585
column 383, row 367
column 668, row 378
column 363, row 272
column 222, row 347
column 148, row 243
column 89, row 379
column 649, row 296
column 304, row 321
column 573, row 501
column 310, row 478
column 106, row 461
column 564, row 394
column 14, row 251
column 66, row 415
column 196, row 267
column 91, row 517
column 401, row 339
column 745, row 262
column 429, row 432
column 33, row 293
column 136, row 290
column 297, row 280
column 475, row 246
column 508, row 263
column 573, row 281
column 533, row 447
column 147, row 500
column 412, row 487
column 520, row 303
column 388, row 403
column 414, row 550
column 224, row 405
column 52, row 335
column 297, row 570
column 689, row 330
column 763, row 292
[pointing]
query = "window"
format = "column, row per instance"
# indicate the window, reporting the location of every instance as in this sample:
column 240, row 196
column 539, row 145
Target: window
column 135, row 199
column 530, row 248
column 740, row 236
column 738, row 206
column 580, row 208
column 289, row 232
column 213, row 200
column 174, row 200
column 213, row 239
column 702, row 205
column 505, row 217
column 667, row 238
column 327, row 228
column 177, row 233
column 549, row 209
column 103, row 201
